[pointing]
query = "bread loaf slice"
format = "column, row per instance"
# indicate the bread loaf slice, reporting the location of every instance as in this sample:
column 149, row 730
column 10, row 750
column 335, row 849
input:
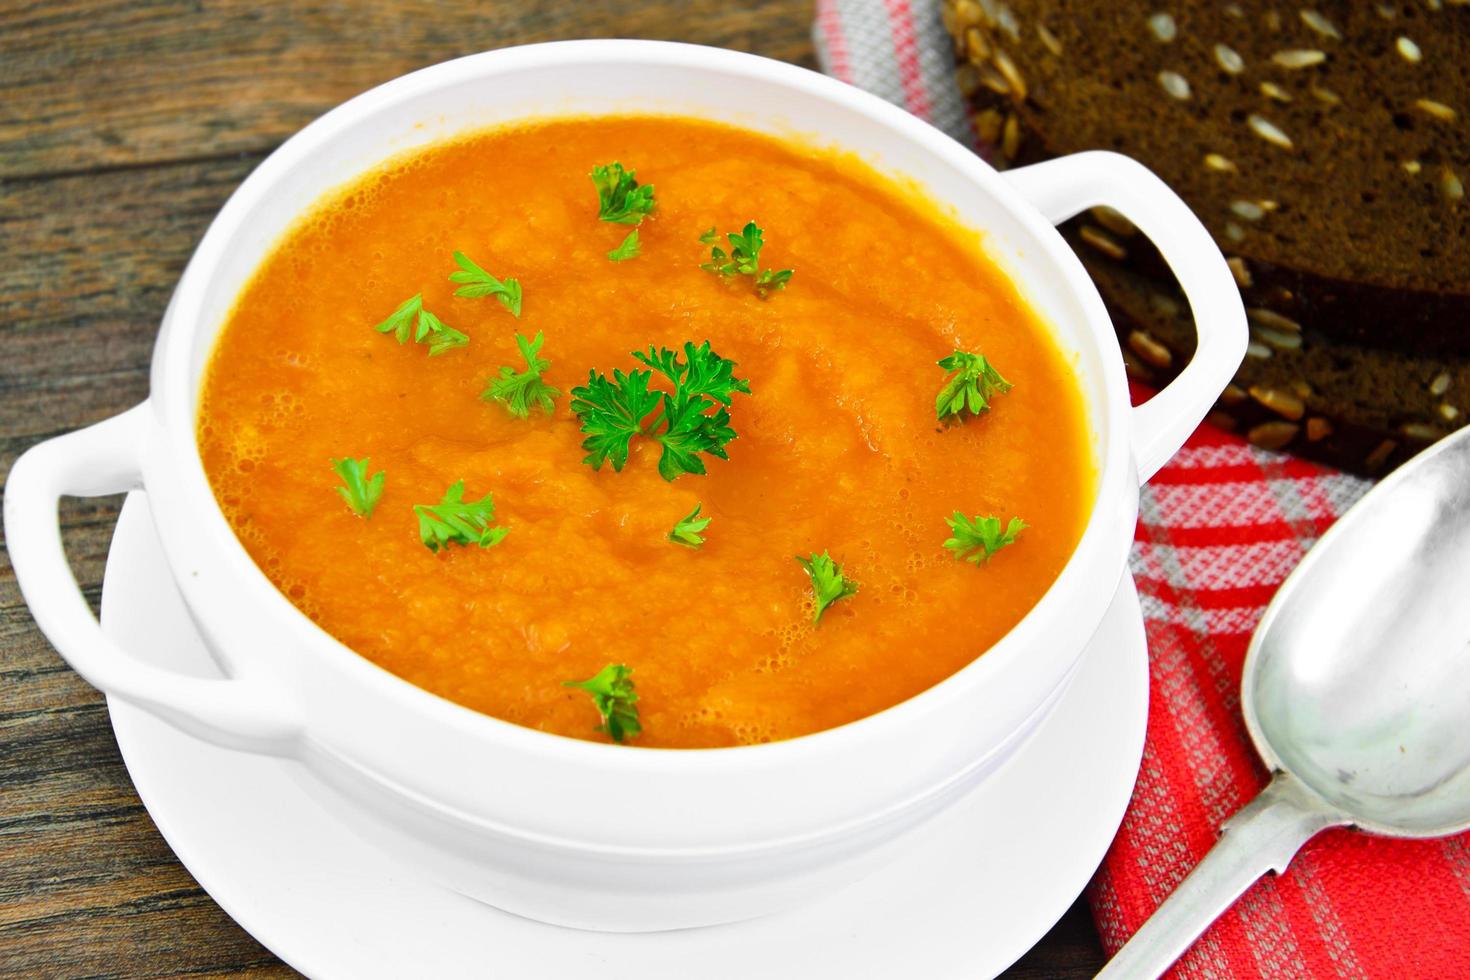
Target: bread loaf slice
column 1366, row 409
column 1326, row 148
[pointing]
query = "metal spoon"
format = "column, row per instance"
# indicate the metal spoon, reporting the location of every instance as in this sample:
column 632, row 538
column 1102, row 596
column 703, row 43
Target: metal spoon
column 1356, row 692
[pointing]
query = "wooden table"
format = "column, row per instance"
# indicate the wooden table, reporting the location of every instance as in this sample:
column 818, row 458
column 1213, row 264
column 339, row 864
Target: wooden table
column 123, row 127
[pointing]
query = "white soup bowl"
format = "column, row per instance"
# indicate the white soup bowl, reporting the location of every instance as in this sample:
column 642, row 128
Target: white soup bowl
column 595, row 835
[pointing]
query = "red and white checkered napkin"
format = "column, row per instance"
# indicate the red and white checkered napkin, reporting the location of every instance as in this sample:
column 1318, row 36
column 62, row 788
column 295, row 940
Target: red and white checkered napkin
column 1220, row 527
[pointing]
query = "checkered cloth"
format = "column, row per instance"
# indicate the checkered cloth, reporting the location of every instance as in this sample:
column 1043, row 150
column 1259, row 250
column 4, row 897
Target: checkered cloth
column 1219, row 529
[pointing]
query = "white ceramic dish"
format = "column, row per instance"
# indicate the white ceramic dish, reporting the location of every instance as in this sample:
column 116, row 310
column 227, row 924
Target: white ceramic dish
column 969, row 893
column 675, row 838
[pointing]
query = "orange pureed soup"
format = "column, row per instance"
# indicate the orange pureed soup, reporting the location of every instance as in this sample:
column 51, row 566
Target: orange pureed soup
column 838, row 447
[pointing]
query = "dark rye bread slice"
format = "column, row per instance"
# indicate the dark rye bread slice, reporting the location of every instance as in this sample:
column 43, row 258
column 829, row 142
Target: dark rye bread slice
column 1337, row 204
column 1323, row 146
column 1340, row 416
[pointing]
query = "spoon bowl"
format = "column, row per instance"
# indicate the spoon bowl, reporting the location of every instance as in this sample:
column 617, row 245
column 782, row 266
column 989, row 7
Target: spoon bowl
column 1356, row 693
column 1357, row 680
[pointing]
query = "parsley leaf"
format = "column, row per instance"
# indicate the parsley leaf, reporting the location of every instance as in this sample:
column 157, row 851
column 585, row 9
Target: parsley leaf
column 400, row 321
column 612, row 692
column 518, row 392
column 687, row 531
column 360, row 490
column 982, row 535
column 482, row 283
column 692, row 419
column 691, row 432
column 974, row 382
column 828, row 582
column 455, row 520
column 620, row 198
column 743, row 259
column 612, row 413
column 630, row 249
column 412, row 320
column 441, row 336
column 767, row 282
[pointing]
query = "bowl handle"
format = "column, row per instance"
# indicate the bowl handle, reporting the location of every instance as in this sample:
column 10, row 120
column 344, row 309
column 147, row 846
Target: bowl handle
column 102, row 459
column 1068, row 185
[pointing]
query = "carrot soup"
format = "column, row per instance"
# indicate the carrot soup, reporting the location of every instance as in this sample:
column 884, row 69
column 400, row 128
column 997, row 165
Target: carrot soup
column 737, row 440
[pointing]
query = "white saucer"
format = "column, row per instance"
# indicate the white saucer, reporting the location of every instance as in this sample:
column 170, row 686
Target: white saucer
column 968, row 895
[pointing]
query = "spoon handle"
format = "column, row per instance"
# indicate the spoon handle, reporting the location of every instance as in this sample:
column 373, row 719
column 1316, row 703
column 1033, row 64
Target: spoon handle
column 1264, row 836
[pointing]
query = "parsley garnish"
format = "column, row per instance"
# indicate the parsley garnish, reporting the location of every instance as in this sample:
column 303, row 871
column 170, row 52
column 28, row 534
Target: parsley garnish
column 743, row 259
column 360, row 491
column 455, row 520
column 981, row 535
column 412, row 320
column 828, row 582
column 518, row 391
column 440, row 335
column 971, row 387
column 620, row 199
column 400, row 321
column 612, row 691
column 687, row 531
column 628, row 250
column 482, row 283
column 612, row 413
column 693, row 418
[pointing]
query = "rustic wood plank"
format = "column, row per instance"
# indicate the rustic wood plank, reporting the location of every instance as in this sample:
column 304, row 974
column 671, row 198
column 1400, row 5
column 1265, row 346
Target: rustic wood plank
column 91, row 261
column 1070, row 949
column 123, row 127
column 107, row 84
